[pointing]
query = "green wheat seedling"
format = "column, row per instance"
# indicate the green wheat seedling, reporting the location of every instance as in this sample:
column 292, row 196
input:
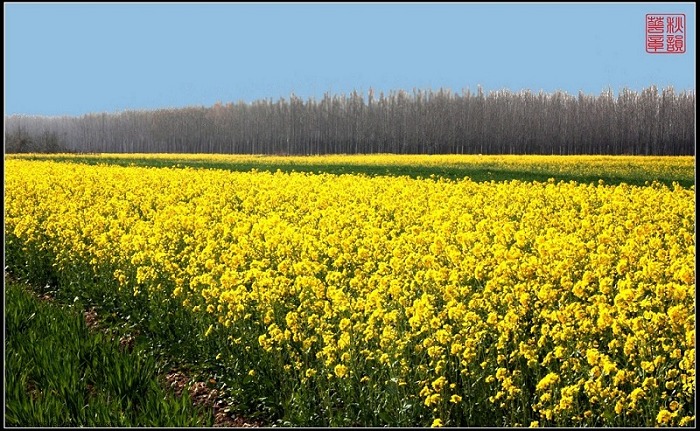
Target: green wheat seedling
column 60, row 374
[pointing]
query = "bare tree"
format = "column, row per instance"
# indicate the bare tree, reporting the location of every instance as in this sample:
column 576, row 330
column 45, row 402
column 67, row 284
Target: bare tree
column 424, row 121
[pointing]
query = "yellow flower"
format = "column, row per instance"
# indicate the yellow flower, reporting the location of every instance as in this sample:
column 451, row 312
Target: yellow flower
column 431, row 399
column 344, row 324
column 492, row 319
column 619, row 407
column 439, row 383
column 663, row 417
column 559, row 352
column 592, row 355
column 686, row 420
column 547, row 381
column 648, row 366
column 436, row 423
column 340, row 370
column 636, row 394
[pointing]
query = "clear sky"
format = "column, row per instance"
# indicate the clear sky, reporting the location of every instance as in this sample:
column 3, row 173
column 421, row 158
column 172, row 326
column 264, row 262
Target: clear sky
column 73, row 59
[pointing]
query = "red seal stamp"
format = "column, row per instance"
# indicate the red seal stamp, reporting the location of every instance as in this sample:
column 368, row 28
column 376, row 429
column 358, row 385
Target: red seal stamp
column 665, row 33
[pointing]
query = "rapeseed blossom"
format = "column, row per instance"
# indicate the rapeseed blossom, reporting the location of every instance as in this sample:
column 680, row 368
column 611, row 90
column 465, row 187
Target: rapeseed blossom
column 575, row 299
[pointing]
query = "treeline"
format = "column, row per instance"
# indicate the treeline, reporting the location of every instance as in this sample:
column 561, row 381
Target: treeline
column 19, row 141
column 425, row 122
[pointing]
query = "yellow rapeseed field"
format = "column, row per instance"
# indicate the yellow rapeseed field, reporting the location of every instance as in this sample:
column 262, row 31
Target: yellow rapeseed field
column 439, row 302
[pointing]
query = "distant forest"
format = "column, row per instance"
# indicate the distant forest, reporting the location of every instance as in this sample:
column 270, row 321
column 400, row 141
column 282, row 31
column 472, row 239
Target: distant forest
column 421, row 122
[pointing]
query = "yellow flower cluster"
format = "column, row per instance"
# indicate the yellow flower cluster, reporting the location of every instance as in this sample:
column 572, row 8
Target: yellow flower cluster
column 622, row 166
column 575, row 301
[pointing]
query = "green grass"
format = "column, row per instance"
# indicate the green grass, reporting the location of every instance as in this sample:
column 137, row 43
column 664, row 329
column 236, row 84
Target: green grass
column 58, row 373
column 612, row 170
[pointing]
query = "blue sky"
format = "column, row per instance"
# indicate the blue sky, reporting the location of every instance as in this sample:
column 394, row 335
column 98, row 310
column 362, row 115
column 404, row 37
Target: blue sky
column 73, row 59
